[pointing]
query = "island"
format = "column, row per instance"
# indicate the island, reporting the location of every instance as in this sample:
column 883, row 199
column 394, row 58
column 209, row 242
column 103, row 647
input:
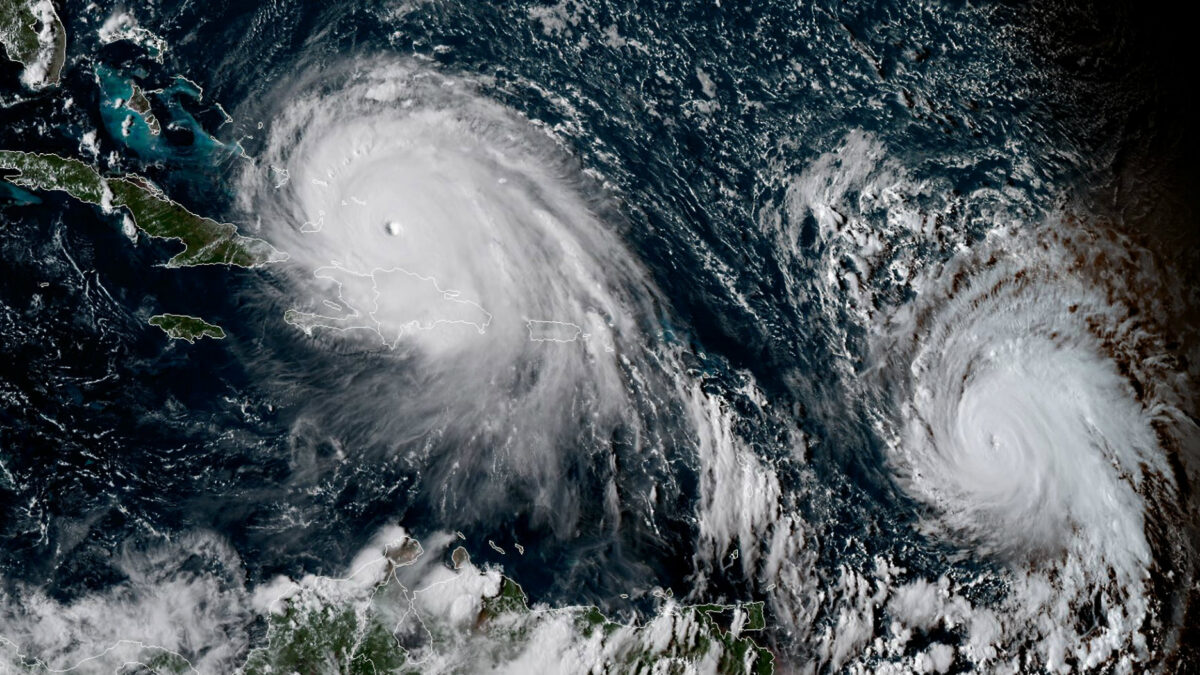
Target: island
column 32, row 35
column 553, row 331
column 205, row 241
column 139, row 104
column 183, row 327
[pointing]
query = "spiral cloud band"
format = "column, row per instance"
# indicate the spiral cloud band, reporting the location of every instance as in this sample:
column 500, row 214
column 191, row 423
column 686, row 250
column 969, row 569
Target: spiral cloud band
column 1024, row 426
column 425, row 215
column 452, row 237
column 1030, row 409
column 1017, row 423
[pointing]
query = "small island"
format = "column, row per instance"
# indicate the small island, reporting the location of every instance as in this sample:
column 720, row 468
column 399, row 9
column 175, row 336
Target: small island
column 139, row 104
column 205, row 241
column 183, row 327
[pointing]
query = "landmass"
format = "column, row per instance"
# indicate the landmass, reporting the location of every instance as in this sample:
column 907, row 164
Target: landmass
column 205, row 241
column 402, row 617
column 553, row 331
column 33, row 36
column 130, row 113
column 392, row 303
column 139, row 104
column 122, row 25
column 183, row 327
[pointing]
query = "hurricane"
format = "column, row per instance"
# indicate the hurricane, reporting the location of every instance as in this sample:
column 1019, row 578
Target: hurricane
column 1028, row 422
column 1022, row 381
column 430, row 225
column 1017, row 421
column 568, row 336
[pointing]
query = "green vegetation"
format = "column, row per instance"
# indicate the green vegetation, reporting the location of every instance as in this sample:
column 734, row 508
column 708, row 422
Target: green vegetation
column 336, row 626
column 511, row 598
column 180, row 327
column 162, row 662
column 51, row 172
column 326, row 639
column 591, row 619
column 756, row 620
column 19, row 35
column 206, row 242
column 753, row 619
column 18, row 30
column 739, row 654
column 338, row 634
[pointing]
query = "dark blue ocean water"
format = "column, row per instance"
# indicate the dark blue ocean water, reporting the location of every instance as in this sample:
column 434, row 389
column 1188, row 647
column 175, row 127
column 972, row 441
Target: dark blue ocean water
column 111, row 435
